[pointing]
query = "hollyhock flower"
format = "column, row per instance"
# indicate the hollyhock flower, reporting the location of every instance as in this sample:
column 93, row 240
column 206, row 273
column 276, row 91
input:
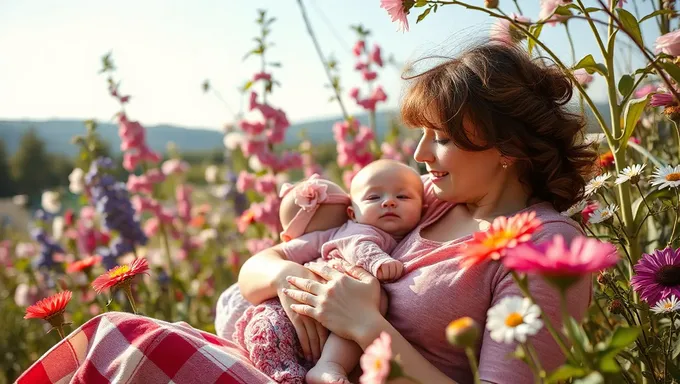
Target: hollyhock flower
column 657, row 275
column 174, row 166
column 503, row 30
column 84, row 264
column 376, row 56
column 631, row 173
column 606, row 159
column 255, row 164
column 379, row 94
column 358, row 48
column 645, row 90
column 668, row 43
column 246, row 181
column 348, row 175
column 561, row 263
column 51, row 309
column 397, row 11
column 252, row 128
column 668, row 305
column 151, row 226
column 233, row 140
column 120, row 276
column 513, row 319
column 253, row 147
column 504, row 233
column 389, row 152
column 604, row 214
column 354, row 94
column 463, row 332
column 596, row 183
column 369, row 75
column 375, row 362
column 76, row 181
column 51, row 202
column 583, row 77
column 666, row 176
column 266, row 184
column 262, row 76
column 547, row 9
column 183, row 197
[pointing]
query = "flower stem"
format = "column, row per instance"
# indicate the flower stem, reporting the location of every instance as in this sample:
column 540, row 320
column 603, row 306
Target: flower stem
column 128, row 293
column 546, row 319
column 532, row 363
column 60, row 331
column 566, row 322
column 517, row 5
column 472, row 359
column 675, row 222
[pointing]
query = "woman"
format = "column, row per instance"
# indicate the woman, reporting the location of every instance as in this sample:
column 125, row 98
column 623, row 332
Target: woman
column 497, row 140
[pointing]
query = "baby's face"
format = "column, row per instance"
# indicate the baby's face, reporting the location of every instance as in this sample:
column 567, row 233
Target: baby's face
column 390, row 199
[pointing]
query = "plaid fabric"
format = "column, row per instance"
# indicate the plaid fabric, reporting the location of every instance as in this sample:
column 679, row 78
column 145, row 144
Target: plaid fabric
column 123, row 348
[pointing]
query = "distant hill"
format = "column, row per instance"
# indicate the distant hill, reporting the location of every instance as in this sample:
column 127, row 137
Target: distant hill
column 58, row 133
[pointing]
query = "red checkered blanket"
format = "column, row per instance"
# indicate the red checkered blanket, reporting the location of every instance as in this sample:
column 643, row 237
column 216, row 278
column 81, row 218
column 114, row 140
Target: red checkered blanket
column 123, row 348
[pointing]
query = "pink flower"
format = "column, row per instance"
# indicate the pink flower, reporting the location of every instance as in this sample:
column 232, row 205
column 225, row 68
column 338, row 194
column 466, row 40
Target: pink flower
column 367, row 104
column 360, row 66
column 588, row 210
column 262, row 76
column 349, row 174
column 309, row 194
column 583, row 77
column 151, row 227
column 390, row 152
column 256, row 245
column 252, row 102
column 359, row 47
column 408, row 146
column 547, row 9
column 252, row 128
column 354, row 93
column 395, row 8
column 556, row 260
column 172, row 166
column 253, row 147
column 657, row 275
column 379, row 94
column 645, row 90
column 245, row 181
column 265, row 184
column 376, row 57
column 662, row 100
column 375, row 362
column 369, row 75
column 183, row 196
column 669, row 43
column 504, row 31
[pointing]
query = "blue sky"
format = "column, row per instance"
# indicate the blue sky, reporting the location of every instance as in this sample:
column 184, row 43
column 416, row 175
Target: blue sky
column 50, row 54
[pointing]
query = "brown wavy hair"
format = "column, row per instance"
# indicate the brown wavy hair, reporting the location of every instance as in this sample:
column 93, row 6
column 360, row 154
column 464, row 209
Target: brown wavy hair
column 517, row 105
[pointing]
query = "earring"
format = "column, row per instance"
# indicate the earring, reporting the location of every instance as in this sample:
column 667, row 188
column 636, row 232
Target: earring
column 504, row 165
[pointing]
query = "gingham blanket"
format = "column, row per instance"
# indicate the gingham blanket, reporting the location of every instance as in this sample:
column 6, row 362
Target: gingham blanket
column 123, row 348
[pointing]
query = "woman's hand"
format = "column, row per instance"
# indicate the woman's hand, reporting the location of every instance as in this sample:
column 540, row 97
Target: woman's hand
column 346, row 304
column 311, row 333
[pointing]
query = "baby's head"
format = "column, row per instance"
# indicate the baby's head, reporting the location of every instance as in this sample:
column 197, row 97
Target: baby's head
column 387, row 194
column 312, row 205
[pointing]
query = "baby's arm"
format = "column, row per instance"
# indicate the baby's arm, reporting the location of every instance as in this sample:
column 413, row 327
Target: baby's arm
column 365, row 252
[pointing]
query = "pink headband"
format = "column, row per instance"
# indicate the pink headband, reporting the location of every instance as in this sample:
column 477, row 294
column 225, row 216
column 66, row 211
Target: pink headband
column 308, row 196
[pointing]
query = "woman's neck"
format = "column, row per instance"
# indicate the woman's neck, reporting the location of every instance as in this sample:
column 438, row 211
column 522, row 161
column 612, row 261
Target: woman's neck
column 503, row 199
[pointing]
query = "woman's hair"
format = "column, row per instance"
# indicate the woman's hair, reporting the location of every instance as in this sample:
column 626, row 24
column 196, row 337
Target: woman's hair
column 518, row 106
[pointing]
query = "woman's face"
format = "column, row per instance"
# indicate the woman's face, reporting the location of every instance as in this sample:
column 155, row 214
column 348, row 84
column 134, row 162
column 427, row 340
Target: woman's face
column 458, row 175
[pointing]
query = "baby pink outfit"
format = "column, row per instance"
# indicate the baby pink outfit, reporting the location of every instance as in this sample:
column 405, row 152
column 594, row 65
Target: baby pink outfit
column 265, row 330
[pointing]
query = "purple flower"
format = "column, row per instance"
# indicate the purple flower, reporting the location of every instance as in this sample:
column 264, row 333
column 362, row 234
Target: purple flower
column 48, row 248
column 657, row 275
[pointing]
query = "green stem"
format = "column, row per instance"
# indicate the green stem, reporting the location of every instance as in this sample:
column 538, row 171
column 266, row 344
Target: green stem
column 128, row 293
column 677, row 216
column 571, row 44
column 668, row 356
column 472, row 359
column 60, row 331
column 531, row 363
column 546, row 320
column 645, row 153
column 566, row 320
column 536, row 359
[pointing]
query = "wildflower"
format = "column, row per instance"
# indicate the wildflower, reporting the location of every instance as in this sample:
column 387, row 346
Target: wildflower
column 120, row 275
column 375, row 362
column 376, row 56
column 48, row 248
column 631, row 173
column 657, row 275
column 463, row 332
column 668, row 43
column 513, row 319
column 233, row 140
column 504, row 233
column 666, row 176
column 596, row 183
column 174, row 166
column 560, row 263
column 76, row 181
column 604, row 214
column 503, row 30
column 84, row 264
column 398, row 9
column 548, row 8
column 616, row 307
column 583, row 77
column 51, row 309
column 606, row 159
column 667, row 305
column 576, row 209
column 588, row 211
column 51, row 202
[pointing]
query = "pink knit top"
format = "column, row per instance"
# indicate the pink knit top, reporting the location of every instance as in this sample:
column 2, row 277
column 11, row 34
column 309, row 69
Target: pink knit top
column 434, row 290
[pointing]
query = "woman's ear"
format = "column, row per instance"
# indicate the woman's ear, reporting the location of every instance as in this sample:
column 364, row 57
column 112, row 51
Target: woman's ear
column 350, row 212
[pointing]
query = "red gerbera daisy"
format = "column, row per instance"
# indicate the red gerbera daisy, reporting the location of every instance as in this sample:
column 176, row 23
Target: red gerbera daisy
column 83, row 264
column 504, row 233
column 51, row 309
column 120, row 275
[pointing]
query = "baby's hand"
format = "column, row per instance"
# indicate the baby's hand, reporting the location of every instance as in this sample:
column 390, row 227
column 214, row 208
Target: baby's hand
column 390, row 270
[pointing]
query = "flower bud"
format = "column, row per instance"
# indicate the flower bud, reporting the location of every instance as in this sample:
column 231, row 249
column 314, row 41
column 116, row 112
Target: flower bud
column 491, row 3
column 463, row 332
column 616, row 307
column 603, row 278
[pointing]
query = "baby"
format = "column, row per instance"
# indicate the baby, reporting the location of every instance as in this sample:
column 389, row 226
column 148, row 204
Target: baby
column 386, row 204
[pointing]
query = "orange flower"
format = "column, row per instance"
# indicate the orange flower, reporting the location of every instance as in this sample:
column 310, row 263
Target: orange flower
column 120, row 275
column 504, row 233
column 606, row 159
column 245, row 220
column 84, row 264
column 51, row 309
column 197, row 221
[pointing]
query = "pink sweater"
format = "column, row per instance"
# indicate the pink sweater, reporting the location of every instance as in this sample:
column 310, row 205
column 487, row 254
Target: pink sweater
column 434, row 291
column 358, row 244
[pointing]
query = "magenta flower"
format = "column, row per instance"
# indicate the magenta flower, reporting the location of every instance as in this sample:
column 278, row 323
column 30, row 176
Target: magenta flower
column 376, row 56
column 583, row 77
column 397, row 11
column 645, row 90
column 657, row 275
column 669, row 43
column 375, row 362
column 174, row 166
column 547, row 9
column 559, row 262
column 664, row 99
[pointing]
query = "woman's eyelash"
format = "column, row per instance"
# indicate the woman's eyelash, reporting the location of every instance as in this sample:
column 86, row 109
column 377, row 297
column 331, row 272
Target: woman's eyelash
column 441, row 141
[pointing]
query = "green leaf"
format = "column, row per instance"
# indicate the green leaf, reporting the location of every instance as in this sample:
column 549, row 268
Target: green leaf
column 674, row 370
column 563, row 10
column 630, row 23
column 623, row 336
column 535, row 30
column 626, row 83
column 423, row 15
column 657, row 13
column 565, row 372
column 676, row 349
column 672, row 69
column 631, row 114
column 420, row 3
column 588, row 63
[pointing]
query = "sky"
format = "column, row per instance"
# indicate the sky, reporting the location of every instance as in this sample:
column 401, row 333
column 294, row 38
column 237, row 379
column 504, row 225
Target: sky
column 50, row 54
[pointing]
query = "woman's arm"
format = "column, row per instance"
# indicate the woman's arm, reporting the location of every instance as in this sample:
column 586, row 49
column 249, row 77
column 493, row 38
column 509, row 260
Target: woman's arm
column 348, row 307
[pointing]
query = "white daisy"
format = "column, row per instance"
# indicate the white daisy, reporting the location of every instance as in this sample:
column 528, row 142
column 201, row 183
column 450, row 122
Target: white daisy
column 667, row 305
column 58, row 224
column 211, row 173
column 631, row 173
column 667, row 176
column 597, row 183
column 603, row 214
column 51, row 201
column 513, row 318
column 575, row 209
column 76, row 181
